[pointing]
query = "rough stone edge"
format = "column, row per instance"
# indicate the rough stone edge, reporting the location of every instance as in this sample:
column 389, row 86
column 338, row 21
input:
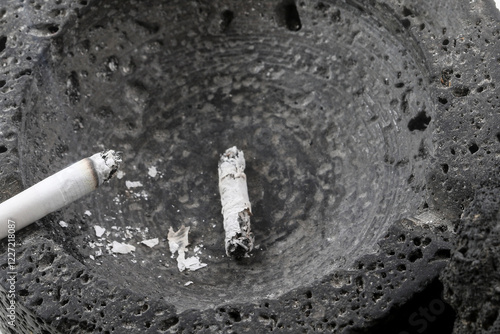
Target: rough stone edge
column 349, row 299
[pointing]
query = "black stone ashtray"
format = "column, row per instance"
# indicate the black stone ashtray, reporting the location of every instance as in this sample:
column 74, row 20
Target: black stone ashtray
column 371, row 136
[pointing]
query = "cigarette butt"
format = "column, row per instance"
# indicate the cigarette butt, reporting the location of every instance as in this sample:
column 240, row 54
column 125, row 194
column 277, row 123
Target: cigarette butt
column 57, row 191
column 236, row 208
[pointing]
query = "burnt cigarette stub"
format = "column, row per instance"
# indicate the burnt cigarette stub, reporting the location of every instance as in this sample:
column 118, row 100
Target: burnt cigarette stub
column 58, row 190
column 236, row 208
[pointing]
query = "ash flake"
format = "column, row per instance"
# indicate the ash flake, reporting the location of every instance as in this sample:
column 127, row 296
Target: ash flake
column 99, row 231
column 133, row 184
column 152, row 171
column 122, row 248
column 150, row 242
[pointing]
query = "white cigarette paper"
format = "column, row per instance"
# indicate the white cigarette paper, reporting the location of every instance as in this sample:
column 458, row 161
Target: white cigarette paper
column 58, row 190
column 236, row 208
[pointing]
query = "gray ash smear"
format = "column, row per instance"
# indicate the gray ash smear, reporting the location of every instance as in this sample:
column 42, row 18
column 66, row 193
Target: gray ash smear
column 324, row 129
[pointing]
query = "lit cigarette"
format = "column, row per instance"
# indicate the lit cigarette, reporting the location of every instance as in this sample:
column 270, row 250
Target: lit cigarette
column 236, row 207
column 58, row 190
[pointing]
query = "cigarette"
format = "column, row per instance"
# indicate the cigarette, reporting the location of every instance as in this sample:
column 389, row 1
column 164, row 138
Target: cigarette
column 57, row 191
column 236, row 208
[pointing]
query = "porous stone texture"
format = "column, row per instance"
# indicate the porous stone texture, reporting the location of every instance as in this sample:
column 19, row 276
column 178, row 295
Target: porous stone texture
column 78, row 300
column 352, row 115
column 472, row 278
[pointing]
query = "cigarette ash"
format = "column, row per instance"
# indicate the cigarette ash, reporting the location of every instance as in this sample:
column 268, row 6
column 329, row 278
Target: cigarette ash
column 133, row 184
column 121, row 248
column 152, row 172
column 135, row 189
column 118, row 240
column 120, row 174
column 99, row 231
column 178, row 242
column 151, row 242
column 112, row 161
column 131, row 193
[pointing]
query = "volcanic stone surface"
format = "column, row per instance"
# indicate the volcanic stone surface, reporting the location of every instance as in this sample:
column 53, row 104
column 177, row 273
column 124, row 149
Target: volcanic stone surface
column 367, row 129
column 472, row 278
